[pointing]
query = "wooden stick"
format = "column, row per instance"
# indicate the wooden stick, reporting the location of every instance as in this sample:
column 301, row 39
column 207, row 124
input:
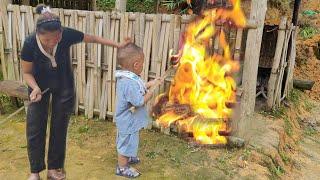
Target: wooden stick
column 291, row 63
column 276, row 63
column 20, row 109
column 283, row 65
column 153, row 88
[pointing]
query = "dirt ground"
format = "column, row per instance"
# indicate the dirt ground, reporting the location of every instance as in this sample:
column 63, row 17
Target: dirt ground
column 307, row 64
column 279, row 147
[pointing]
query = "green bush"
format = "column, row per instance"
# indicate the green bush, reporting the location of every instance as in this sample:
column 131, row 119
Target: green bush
column 308, row 32
column 106, row 4
column 146, row 6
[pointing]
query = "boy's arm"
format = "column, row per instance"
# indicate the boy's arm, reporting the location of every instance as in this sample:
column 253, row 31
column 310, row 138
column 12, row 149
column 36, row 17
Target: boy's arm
column 153, row 83
column 134, row 95
column 147, row 97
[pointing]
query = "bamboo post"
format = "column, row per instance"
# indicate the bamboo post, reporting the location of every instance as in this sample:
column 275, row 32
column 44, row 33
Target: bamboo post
column 92, row 58
column 176, row 34
column 30, row 20
column 283, row 65
column 141, row 28
column 105, row 88
column 9, row 37
column 136, row 25
column 79, row 62
column 155, row 41
column 110, row 67
column 15, row 40
column 276, row 63
column 147, row 48
column 7, row 44
column 250, row 71
column 292, row 59
column 94, row 5
column 236, row 55
column 114, row 64
column 3, row 60
column 99, row 70
column 121, row 5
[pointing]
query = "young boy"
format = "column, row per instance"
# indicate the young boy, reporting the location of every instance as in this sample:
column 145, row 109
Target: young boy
column 131, row 91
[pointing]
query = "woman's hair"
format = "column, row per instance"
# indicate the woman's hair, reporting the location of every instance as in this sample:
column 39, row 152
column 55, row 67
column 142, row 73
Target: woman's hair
column 47, row 21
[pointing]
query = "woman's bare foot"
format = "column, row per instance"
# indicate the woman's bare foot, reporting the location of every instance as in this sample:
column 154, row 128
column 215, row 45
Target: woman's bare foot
column 34, row 176
column 56, row 174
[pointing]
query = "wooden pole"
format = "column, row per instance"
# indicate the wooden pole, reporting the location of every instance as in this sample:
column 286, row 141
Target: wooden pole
column 251, row 61
column 276, row 63
column 2, row 57
column 25, row 2
column 121, row 5
column 292, row 59
column 94, row 5
column 295, row 14
column 283, row 65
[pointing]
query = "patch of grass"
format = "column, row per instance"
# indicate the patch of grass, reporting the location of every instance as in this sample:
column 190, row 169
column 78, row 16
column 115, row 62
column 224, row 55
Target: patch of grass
column 151, row 154
column 4, row 99
column 224, row 163
column 309, row 105
column 308, row 32
column 279, row 171
column 284, row 157
column 295, row 97
column 83, row 129
column 246, row 154
column 287, row 126
column 309, row 131
column 275, row 113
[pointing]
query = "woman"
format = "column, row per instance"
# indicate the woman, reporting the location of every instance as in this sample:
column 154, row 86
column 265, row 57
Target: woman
column 47, row 70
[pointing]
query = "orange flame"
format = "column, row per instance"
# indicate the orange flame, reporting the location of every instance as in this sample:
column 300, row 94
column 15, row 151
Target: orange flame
column 205, row 81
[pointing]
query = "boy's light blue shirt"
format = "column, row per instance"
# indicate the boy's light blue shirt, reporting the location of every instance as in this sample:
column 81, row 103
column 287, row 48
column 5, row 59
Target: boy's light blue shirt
column 129, row 94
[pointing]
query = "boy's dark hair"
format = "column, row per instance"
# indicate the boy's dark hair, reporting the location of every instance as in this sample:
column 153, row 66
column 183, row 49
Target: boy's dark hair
column 127, row 54
column 47, row 21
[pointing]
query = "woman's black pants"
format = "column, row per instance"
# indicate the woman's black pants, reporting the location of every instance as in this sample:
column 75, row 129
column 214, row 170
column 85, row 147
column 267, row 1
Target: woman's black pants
column 37, row 116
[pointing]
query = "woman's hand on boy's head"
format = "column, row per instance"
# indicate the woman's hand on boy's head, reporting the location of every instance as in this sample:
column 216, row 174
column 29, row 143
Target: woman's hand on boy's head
column 127, row 40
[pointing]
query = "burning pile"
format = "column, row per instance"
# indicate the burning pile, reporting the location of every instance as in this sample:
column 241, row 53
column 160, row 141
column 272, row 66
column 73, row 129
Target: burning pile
column 203, row 88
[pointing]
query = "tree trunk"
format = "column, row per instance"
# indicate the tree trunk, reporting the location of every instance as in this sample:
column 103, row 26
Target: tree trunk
column 94, row 5
column 25, row 2
column 121, row 5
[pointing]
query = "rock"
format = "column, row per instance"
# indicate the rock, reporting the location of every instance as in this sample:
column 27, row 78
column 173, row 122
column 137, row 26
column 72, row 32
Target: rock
column 235, row 142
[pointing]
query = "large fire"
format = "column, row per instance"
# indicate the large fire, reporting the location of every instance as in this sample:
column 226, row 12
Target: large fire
column 205, row 81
